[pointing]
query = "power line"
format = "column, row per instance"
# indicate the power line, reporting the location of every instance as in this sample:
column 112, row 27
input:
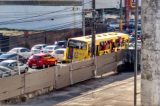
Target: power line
column 42, row 19
column 41, row 14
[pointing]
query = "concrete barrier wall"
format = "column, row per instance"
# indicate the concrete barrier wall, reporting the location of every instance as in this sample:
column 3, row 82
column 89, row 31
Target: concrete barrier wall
column 120, row 55
column 81, row 64
column 107, row 68
column 56, row 77
column 82, row 70
column 82, row 74
column 11, row 86
column 105, row 59
column 62, row 76
column 106, row 63
column 39, row 80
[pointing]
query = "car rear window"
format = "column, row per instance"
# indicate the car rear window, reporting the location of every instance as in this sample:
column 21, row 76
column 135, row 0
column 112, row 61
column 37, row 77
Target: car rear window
column 59, row 52
column 50, row 48
column 38, row 47
column 36, row 57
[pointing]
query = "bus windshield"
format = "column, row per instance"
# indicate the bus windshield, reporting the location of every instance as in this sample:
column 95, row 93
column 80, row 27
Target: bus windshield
column 77, row 44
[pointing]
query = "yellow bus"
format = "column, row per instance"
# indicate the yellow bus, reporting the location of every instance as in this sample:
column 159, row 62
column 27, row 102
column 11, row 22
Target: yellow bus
column 79, row 48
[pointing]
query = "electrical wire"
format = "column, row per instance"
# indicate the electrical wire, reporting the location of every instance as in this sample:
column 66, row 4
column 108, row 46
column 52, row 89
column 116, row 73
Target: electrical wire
column 20, row 19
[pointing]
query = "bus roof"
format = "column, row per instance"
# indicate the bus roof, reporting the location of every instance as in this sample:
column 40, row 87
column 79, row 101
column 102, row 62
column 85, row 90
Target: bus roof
column 100, row 37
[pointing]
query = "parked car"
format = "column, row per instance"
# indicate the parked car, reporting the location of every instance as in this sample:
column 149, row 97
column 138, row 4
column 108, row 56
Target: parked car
column 62, row 43
column 12, row 56
column 15, row 65
column 5, row 72
column 114, row 25
column 37, row 48
column 60, row 55
column 21, row 51
column 41, row 60
column 50, row 48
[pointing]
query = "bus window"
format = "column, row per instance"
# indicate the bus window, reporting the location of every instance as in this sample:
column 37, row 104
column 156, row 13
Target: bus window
column 123, row 42
column 117, row 43
column 102, row 46
column 113, row 46
column 77, row 44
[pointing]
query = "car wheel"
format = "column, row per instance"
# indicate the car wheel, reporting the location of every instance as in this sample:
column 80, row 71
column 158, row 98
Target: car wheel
column 25, row 70
column 48, row 66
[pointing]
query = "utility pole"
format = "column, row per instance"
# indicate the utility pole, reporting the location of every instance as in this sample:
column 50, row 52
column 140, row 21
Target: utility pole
column 135, row 64
column 121, row 13
column 83, row 20
column 93, row 28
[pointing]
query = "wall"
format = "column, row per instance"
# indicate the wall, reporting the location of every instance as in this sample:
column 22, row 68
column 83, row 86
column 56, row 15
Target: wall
column 35, row 83
column 150, row 77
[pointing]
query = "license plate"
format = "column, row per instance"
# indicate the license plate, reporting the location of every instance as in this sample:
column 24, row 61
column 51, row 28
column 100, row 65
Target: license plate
column 34, row 66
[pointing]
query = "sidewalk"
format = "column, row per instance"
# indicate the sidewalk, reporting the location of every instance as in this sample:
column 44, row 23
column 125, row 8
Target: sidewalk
column 119, row 93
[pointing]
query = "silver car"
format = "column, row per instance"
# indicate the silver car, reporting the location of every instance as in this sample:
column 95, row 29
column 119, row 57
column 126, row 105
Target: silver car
column 15, row 65
column 21, row 51
column 50, row 49
column 6, row 72
column 37, row 48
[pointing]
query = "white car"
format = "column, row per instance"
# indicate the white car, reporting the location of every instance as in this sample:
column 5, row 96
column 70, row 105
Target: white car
column 60, row 54
column 14, row 65
column 50, row 48
column 21, row 51
column 37, row 48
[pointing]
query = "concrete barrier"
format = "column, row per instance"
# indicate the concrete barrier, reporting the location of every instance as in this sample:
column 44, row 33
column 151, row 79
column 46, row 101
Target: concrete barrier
column 81, row 64
column 62, row 76
column 107, row 68
column 120, row 55
column 11, row 87
column 105, row 59
column 57, row 77
column 82, row 74
column 39, row 80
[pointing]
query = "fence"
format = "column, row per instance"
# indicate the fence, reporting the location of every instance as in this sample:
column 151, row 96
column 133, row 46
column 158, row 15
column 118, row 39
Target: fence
column 56, row 77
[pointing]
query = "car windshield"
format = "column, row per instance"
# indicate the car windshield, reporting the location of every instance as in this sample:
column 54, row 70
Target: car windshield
column 6, row 56
column 4, row 64
column 59, row 52
column 61, row 43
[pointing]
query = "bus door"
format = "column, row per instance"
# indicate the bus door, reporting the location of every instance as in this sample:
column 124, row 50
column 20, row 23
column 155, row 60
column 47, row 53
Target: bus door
column 97, row 50
column 102, row 48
